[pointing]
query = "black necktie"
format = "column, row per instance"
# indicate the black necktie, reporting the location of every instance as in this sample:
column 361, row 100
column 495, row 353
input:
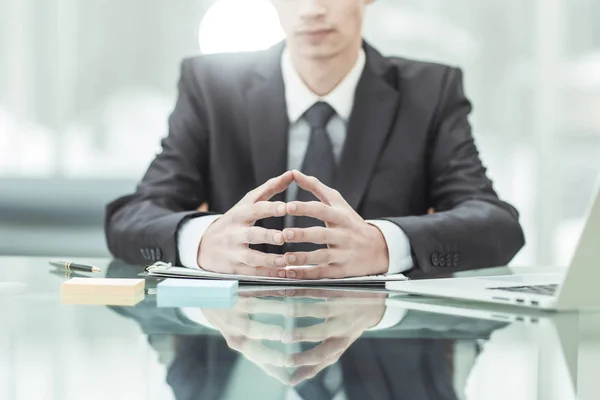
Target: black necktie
column 319, row 161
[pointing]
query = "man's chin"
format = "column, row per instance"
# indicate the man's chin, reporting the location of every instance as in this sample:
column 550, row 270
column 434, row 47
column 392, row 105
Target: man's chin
column 319, row 52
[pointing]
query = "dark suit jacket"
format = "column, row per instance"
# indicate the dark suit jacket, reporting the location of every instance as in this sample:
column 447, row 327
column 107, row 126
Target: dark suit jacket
column 409, row 147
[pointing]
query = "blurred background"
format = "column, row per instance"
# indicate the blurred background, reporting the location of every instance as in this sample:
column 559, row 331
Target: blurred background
column 86, row 88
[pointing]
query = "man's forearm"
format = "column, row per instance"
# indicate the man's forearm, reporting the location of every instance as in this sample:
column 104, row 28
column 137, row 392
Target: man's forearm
column 474, row 234
column 142, row 232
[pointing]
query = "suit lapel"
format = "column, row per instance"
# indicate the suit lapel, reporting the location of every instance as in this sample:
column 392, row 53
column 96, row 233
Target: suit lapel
column 376, row 105
column 268, row 123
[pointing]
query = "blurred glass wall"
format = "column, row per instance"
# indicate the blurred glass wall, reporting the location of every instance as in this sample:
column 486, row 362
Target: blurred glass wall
column 86, row 88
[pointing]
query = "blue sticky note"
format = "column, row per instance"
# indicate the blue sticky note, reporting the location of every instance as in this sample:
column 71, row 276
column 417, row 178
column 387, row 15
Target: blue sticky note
column 198, row 288
column 175, row 292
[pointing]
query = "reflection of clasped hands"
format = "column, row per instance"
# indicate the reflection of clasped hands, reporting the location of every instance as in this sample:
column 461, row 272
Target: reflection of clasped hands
column 346, row 318
column 355, row 247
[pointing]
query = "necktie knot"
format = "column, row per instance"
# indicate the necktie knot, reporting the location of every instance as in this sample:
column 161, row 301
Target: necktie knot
column 318, row 115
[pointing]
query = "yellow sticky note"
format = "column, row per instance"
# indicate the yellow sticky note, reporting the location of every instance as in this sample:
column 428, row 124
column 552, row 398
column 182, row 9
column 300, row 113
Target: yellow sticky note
column 103, row 299
column 104, row 286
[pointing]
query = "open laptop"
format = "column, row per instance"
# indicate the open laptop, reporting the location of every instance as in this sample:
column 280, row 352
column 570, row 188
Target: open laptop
column 578, row 288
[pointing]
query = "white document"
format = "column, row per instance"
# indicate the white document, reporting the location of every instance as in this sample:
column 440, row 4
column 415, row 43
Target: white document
column 166, row 270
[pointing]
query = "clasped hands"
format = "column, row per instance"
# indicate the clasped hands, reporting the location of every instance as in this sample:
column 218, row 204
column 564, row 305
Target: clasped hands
column 354, row 247
column 345, row 316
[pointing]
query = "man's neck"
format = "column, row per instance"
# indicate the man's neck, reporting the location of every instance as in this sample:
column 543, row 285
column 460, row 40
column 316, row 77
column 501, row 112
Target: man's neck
column 323, row 75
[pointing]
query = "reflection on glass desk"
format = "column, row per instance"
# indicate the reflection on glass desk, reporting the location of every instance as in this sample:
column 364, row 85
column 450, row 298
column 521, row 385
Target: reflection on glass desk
column 284, row 343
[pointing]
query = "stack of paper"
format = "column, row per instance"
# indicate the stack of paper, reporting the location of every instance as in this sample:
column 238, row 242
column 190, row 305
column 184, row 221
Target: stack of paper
column 166, row 270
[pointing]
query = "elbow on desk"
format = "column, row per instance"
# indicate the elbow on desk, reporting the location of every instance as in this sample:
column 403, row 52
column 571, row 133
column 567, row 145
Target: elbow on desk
column 513, row 241
column 116, row 232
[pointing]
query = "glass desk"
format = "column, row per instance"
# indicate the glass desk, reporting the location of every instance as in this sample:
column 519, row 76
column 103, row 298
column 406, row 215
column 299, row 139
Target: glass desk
column 284, row 344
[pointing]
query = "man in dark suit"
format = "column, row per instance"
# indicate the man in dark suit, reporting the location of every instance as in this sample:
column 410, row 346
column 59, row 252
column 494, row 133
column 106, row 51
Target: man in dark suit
column 379, row 141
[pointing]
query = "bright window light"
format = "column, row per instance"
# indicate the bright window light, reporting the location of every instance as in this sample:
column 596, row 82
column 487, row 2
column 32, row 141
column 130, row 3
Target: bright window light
column 239, row 25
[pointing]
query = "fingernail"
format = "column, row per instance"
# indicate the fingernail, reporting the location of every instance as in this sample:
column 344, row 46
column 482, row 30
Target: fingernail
column 281, row 209
column 280, row 262
column 292, row 207
column 291, row 274
column 291, row 258
column 289, row 235
column 278, row 238
column 281, row 274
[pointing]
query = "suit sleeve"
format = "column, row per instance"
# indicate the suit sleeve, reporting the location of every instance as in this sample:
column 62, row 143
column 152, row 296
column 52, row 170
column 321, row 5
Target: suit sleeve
column 142, row 227
column 472, row 228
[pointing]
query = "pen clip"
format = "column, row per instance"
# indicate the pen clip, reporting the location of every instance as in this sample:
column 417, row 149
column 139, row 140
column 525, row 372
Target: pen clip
column 158, row 266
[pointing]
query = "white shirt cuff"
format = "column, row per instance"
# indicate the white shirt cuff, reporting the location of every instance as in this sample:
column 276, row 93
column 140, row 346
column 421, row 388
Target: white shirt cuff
column 398, row 246
column 196, row 315
column 189, row 237
column 391, row 317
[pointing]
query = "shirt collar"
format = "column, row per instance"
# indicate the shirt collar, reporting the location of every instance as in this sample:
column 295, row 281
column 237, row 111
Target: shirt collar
column 299, row 98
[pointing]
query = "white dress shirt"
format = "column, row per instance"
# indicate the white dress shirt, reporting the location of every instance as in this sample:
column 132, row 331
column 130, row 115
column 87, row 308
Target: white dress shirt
column 299, row 98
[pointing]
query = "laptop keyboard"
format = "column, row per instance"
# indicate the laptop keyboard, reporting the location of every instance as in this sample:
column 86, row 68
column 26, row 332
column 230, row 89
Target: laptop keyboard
column 546, row 290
